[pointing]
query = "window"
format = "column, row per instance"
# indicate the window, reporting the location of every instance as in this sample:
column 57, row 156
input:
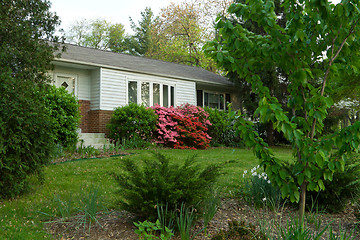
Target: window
column 156, row 93
column 213, row 100
column 145, row 93
column 66, row 81
column 150, row 94
column 132, row 89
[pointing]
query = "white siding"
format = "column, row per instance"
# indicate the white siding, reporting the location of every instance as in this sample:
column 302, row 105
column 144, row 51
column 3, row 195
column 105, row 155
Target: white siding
column 83, row 79
column 113, row 89
column 95, row 89
column 185, row 92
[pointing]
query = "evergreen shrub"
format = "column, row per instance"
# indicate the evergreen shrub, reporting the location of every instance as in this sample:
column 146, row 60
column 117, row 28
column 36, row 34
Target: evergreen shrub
column 26, row 136
column 157, row 182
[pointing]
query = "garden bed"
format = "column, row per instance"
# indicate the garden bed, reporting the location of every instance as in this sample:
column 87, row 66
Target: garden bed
column 119, row 225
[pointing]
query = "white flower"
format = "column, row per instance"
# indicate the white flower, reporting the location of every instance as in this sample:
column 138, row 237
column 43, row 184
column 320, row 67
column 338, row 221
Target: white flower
column 258, row 166
column 264, row 199
column 269, row 182
column 245, row 172
column 265, row 177
column 254, row 174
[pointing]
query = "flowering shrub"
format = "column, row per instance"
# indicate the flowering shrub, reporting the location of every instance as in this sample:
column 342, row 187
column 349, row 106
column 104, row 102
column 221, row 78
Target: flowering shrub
column 166, row 132
column 182, row 127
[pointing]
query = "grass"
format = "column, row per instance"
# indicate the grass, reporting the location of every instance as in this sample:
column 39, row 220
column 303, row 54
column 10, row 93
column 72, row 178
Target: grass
column 23, row 218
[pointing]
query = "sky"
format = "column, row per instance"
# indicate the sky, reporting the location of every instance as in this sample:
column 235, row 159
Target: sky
column 115, row 11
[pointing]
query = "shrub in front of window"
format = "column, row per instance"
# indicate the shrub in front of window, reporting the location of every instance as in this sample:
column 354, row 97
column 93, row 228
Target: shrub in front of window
column 65, row 115
column 132, row 121
column 221, row 129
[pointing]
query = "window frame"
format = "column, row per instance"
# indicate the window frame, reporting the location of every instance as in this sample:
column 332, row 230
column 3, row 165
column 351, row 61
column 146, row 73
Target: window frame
column 219, row 102
column 66, row 75
column 151, row 91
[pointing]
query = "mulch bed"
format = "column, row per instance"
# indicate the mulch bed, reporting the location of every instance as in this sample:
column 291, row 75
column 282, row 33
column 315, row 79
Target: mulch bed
column 119, row 224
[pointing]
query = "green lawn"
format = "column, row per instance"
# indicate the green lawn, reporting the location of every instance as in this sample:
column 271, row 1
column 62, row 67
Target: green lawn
column 23, row 218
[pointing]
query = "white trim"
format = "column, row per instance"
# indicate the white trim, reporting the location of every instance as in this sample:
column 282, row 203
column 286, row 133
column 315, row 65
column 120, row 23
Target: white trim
column 142, row 72
column 217, row 93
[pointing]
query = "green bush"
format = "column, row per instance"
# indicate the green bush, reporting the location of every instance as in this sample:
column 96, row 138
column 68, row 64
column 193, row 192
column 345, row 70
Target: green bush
column 26, row 136
column 130, row 121
column 222, row 130
column 65, row 115
column 344, row 187
column 156, row 182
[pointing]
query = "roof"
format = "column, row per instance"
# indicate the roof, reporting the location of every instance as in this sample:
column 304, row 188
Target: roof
column 126, row 62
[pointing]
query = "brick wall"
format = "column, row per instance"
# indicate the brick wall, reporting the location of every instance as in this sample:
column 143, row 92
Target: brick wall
column 84, row 112
column 98, row 119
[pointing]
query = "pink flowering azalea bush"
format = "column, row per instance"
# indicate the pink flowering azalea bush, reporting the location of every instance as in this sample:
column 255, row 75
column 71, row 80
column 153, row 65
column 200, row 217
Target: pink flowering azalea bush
column 183, row 127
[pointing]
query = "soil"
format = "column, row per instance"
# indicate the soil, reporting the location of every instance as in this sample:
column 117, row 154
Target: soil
column 119, row 224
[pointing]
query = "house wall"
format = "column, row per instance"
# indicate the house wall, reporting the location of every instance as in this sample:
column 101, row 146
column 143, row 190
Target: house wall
column 101, row 90
column 83, row 80
column 114, row 88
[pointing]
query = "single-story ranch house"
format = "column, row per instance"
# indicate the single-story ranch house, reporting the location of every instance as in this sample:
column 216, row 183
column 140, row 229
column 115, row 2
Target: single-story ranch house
column 104, row 80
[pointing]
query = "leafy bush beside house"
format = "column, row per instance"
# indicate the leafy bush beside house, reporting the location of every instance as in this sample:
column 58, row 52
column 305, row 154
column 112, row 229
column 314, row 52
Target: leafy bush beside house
column 65, row 115
column 132, row 121
column 221, row 129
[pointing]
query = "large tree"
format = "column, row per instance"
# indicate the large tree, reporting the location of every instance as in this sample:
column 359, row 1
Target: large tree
column 319, row 43
column 140, row 43
column 27, row 45
column 97, row 33
column 180, row 36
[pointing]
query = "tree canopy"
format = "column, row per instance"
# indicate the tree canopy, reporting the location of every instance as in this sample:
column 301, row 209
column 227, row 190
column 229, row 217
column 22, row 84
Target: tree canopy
column 319, row 42
column 27, row 45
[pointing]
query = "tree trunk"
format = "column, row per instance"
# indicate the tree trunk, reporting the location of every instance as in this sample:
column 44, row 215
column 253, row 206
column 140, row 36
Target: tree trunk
column 270, row 134
column 302, row 204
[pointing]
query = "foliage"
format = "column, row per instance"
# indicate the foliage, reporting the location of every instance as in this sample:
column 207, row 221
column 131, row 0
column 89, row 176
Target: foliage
column 179, row 36
column 65, row 115
column 147, row 230
column 158, row 182
column 312, row 29
column 222, row 130
column 140, row 43
column 85, row 216
column 344, row 186
column 132, row 121
column 258, row 190
column 182, row 127
column 26, row 138
column 96, row 33
column 240, row 230
column 185, row 221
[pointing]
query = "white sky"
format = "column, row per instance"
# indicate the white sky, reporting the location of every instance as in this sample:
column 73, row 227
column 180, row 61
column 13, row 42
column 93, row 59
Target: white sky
column 115, row 11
